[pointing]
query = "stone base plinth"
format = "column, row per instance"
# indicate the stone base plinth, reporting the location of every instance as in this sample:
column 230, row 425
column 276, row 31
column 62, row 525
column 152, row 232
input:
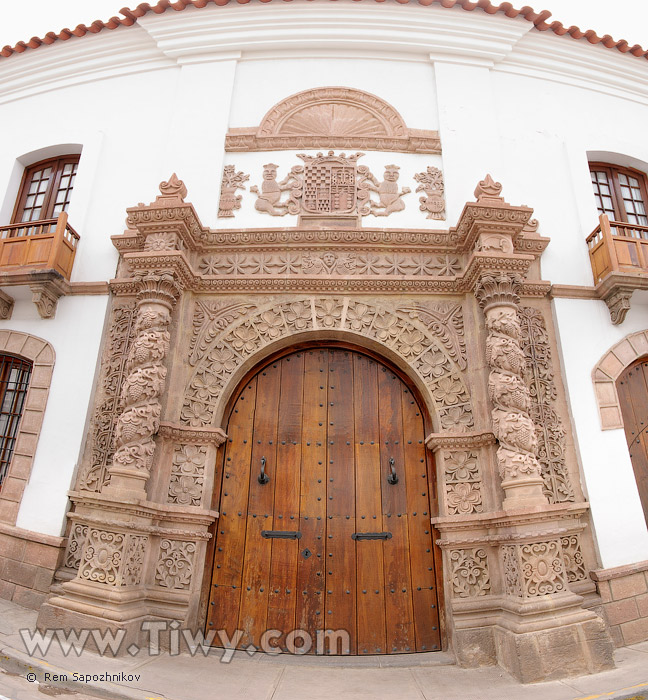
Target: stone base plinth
column 129, row 631
column 544, row 655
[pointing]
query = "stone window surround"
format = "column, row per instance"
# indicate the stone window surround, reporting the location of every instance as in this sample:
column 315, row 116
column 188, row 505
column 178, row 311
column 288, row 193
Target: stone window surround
column 41, row 354
column 607, row 371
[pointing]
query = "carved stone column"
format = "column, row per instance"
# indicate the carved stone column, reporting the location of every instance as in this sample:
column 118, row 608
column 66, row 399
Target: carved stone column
column 518, row 466
column 142, row 388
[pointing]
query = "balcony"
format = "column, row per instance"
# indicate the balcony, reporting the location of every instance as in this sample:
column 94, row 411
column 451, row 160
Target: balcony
column 41, row 255
column 619, row 257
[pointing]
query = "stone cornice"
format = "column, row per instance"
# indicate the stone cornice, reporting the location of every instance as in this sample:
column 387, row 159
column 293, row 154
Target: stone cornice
column 125, row 513
column 514, row 518
column 485, row 217
column 167, row 236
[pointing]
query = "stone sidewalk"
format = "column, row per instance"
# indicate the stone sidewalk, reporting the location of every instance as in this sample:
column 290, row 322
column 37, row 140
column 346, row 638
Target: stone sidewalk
column 263, row 677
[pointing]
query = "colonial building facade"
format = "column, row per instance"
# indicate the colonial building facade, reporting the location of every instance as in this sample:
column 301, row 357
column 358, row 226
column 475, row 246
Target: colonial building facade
column 372, row 359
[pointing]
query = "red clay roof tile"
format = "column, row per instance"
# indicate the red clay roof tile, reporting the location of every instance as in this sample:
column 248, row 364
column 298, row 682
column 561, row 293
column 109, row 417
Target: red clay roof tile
column 528, row 13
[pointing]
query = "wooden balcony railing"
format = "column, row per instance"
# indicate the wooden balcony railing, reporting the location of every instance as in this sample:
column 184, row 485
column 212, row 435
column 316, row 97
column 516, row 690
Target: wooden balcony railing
column 615, row 246
column 49, row 244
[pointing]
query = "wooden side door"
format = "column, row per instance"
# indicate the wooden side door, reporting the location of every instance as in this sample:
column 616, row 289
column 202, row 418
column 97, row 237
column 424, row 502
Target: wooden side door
column 337, row 535
column 632, row 387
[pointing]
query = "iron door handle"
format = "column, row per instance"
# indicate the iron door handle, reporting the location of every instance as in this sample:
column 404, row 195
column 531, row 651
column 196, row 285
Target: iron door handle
column 263, row 477
column 392, row 478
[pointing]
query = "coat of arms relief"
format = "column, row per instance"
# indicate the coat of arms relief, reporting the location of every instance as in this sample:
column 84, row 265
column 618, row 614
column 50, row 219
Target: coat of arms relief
column 330, row 186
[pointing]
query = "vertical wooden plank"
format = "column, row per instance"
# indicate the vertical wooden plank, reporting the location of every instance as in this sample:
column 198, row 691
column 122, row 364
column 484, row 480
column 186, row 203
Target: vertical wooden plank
column 287, row 482
column 258, row 551
column 310, row 562
column 421, row 549
column 369, row 553
column 632, row 388
column 340, row 511
column 400, row 636
column 231, row 527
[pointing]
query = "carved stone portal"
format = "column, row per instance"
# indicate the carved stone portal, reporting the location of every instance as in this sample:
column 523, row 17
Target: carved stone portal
column 142, row 518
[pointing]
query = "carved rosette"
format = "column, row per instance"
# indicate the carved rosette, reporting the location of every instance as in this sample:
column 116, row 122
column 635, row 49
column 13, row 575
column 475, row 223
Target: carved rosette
column 187, row 475
column 512, row 424
column 112, row 558
column 175, row 564
column 458, row 456
column 469, row 572
column 534, row 569
column 144, row 383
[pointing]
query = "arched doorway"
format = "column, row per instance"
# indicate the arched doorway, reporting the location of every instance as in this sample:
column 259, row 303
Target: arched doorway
column 632, row 388
column 325, row 502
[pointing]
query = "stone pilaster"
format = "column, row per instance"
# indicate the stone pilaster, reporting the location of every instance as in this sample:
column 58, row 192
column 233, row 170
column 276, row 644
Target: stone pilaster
column 144, row 384
column 518, row 466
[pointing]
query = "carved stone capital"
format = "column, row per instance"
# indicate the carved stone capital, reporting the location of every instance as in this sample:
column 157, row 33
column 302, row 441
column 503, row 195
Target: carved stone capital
column 501, row 289
column 6, row 306
column 158, row 287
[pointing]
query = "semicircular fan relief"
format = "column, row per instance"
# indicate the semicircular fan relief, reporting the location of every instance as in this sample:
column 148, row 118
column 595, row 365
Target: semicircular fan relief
column 332, row 119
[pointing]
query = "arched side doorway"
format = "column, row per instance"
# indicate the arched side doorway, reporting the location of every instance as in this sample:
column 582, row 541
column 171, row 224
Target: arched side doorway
column 325, row 505
column 632, row 388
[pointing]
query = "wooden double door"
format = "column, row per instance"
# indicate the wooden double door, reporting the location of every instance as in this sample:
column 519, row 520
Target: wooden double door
column 632, row 387
column 325, row 506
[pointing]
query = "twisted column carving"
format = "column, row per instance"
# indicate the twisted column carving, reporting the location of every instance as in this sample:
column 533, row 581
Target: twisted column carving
column 513, row 427
column 143, row 385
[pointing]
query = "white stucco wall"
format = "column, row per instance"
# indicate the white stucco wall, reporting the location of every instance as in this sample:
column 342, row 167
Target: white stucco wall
column 159, row 97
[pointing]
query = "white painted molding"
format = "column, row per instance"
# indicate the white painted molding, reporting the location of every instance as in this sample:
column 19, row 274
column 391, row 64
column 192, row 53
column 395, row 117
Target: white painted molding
column 541, row 55
column 344, row 26
column 80, row 60
column 311, row 29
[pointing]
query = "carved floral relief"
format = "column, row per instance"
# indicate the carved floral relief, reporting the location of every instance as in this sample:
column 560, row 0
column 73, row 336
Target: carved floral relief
column 75, row 543
column 539, row 377
column 431, row 182
column 93, row 474
column 462, row 482
column 329, row 263
column 428, row 337
column 573, row 558
column 229, row 200
column 187, row 475
column 469, row 572
column 534, row 569
column 175, row 564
